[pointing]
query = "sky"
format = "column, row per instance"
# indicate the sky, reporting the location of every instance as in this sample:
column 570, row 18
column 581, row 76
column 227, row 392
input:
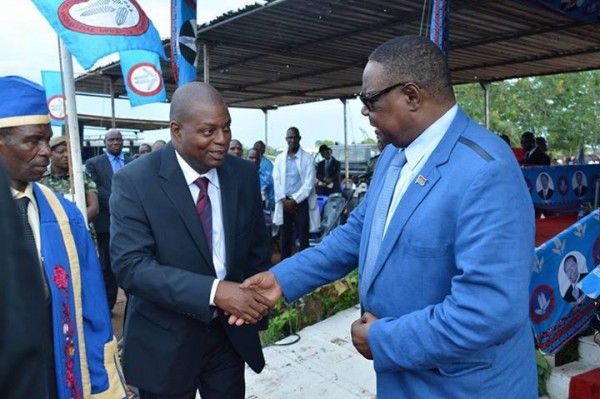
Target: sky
column 29, row 45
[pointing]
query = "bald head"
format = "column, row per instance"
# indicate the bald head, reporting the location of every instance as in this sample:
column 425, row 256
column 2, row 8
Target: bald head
column 194, row 92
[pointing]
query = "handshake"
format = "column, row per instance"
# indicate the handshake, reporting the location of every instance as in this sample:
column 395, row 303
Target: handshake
column 248, row 302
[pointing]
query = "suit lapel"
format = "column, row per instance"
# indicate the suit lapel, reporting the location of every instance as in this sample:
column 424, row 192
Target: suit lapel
column 416, row 193
column 229, row 206
column 175, row 188
column 107, row 166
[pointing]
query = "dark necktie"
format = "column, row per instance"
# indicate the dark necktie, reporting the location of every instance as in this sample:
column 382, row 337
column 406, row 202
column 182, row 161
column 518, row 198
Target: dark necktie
column 204, row 210
column 378, row 223
column 22, row 204
column 326, row 168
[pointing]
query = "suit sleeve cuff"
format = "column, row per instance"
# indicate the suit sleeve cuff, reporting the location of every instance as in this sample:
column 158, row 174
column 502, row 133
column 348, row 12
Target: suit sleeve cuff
column 213, row 291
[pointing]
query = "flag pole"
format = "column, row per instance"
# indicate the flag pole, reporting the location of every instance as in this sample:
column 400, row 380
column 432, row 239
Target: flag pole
column 73, row 129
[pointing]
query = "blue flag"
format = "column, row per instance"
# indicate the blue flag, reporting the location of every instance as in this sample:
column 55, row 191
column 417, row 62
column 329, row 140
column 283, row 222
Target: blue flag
column 96, row 28
column 54, row 96
column 183, row 41
column 438, row 32
column 143, row 77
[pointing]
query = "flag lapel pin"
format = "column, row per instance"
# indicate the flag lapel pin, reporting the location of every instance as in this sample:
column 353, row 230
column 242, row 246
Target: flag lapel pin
column 421, row 180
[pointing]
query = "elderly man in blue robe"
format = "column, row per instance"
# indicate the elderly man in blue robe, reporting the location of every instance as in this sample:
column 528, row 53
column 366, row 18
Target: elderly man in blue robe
column 81, row 348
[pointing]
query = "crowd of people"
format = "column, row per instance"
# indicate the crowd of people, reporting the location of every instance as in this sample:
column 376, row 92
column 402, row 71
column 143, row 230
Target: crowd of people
column 183, row 231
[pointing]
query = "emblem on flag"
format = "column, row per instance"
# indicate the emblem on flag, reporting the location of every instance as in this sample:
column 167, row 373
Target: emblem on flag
column 92, row 29
column 421, row 180
column 145, row 79
column 104, row 17
column 56, row 107
column 55, row 98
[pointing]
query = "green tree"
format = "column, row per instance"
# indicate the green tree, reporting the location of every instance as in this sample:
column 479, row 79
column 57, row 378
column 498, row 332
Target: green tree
column 563, row 108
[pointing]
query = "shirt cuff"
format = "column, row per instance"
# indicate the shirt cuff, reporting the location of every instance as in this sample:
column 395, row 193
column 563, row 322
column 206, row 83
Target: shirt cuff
column 213, row 291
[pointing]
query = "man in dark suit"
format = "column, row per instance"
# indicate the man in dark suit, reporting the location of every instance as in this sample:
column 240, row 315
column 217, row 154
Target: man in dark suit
column 22, row 307
column 571, row 269
column 546, row 192
column 533, row 154
column 102, row 168
column 328, row 173
column 580, row 188
column 180, row 246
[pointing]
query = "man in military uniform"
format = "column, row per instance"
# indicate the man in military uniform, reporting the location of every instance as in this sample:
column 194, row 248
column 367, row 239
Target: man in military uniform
column 57, row 178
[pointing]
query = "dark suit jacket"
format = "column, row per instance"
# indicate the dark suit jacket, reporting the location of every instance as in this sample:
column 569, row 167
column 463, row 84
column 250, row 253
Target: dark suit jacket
column 569, row 292
column 334, row 172
column 580, row 190
column 537, row 157
column 161, row 258
column 23, row 310
column 100, row 169
column 548, row 194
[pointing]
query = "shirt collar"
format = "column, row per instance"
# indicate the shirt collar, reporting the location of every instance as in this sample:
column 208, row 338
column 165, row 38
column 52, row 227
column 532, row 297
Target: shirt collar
column 429, row 139
column 121, row 156
column 27, row 193
column 191, row 175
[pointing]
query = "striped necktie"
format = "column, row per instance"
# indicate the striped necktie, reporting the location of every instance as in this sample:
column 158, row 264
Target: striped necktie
column 204, row 210
column 378, row 223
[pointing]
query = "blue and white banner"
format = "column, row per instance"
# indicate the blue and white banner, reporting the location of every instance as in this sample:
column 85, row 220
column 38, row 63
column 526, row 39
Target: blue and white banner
column 561, row 188
column 143, row 78
column 93, row 29
column 558, row 308
column 438, row 31
column 582, row 10
column 55, row 98
column 183, row 41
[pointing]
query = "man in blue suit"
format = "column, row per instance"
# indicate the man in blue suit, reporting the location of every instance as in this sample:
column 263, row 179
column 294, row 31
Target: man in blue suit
column 445, row 300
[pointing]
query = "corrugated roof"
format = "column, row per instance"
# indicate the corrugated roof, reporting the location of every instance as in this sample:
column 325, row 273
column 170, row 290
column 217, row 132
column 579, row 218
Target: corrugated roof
column 294, row 51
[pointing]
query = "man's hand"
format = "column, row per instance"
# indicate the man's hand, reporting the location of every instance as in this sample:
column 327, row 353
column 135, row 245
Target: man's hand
column 359, row 331
column 289, row 205
column 264, row 284
column 245, row 304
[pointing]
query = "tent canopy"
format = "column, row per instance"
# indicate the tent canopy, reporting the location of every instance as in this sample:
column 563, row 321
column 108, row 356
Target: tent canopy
column 289, row 52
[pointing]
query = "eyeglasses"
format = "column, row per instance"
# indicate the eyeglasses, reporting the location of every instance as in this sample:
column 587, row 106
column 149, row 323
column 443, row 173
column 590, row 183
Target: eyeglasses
column 369, row 100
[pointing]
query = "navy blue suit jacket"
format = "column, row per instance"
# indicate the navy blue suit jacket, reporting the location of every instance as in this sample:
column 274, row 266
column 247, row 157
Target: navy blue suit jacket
column 161, row 258
column 100, row 169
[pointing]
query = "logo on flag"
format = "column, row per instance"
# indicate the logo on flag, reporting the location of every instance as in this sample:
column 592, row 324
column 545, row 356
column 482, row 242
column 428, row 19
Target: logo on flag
column 55, row 98
column 92, row 29
column 104, row 17
column 56, row 107
column 144, row 79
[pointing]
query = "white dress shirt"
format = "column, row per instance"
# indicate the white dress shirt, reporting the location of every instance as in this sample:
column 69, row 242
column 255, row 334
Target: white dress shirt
column 218, row 234
column 417, row 154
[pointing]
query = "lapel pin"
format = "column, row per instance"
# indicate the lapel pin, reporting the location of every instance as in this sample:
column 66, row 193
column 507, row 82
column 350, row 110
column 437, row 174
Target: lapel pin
column 421, row 180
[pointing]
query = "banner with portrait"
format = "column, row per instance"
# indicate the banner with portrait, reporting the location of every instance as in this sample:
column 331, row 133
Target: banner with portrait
column 558, row 308
column 561, row 188
column 582, row 10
